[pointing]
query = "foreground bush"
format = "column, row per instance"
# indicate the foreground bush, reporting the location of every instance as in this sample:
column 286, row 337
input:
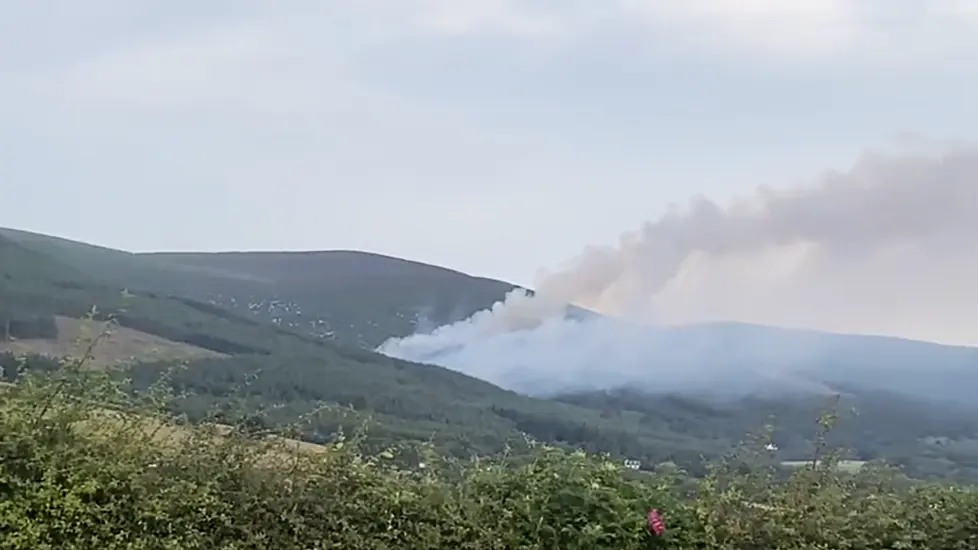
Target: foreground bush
column 76, row 474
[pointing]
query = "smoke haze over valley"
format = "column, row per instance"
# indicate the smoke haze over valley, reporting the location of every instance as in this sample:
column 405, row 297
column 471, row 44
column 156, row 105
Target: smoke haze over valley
column 885, row 247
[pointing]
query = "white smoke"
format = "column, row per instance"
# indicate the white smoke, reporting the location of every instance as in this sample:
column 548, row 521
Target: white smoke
column 888, row 247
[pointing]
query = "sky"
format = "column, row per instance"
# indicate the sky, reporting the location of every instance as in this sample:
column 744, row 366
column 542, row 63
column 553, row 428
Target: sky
column 496, row 137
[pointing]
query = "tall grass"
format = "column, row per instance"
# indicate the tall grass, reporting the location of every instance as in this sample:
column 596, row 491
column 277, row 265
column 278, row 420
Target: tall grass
column 84, row 464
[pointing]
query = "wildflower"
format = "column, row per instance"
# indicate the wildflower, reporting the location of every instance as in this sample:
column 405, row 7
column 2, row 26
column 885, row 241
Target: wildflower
column 656, row 525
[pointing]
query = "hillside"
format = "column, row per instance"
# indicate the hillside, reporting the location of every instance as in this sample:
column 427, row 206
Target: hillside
column 351, row 297
column 250, row 307
column 117, row 346
column 872, row 425
column 37, row 286
column 361, row 299
column 284, row 375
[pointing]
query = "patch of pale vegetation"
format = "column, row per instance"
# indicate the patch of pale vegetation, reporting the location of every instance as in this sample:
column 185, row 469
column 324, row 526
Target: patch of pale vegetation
column 165, row 433
column 842, row 465
column 118, row 346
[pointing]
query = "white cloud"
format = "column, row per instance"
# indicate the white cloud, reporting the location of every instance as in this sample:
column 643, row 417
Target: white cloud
column 764, row 27
column 444, row 110
column 211, row 67
column 277, row 68
column 867, row 31
column 505, row 18
column 965, row 11
column 502, row 16
column 304, row 50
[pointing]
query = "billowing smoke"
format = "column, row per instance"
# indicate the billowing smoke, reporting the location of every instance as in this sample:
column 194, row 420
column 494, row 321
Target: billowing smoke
column 888, row 247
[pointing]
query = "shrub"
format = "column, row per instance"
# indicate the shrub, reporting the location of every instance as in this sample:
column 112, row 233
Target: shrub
column 84, row 464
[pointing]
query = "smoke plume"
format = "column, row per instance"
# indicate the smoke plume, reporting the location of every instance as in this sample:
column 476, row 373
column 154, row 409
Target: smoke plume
column 887, row 247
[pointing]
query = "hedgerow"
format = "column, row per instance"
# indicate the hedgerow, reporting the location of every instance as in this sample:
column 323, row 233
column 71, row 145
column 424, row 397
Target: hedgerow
column 84, row 464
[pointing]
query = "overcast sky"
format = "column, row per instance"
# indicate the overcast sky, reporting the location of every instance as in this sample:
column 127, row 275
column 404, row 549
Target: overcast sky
column 492, row 136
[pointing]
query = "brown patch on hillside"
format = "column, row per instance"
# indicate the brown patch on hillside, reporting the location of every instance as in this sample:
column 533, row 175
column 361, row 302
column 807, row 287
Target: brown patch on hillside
column 120, row 346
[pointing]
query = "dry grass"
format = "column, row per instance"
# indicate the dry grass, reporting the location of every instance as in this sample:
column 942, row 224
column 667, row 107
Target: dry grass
column 120, row 346
column 117, row 346
column 167, row 434
column 842, row 466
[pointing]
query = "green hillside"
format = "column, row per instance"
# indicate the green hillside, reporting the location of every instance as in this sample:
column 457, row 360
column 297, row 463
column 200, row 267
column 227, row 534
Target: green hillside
column 353, row 297
column 296, row 373
column 347, row 296
column 35, row 285
column 270, row 314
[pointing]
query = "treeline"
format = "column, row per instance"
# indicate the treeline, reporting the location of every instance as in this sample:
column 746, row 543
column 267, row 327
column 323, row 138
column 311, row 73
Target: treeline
column 464, row 416
column 34, row 302
column 467, row 417
column 19, row 327
column 927, row 440
column 77, row 476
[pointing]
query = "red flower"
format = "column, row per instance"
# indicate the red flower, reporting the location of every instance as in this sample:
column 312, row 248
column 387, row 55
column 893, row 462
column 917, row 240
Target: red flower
column 656, row 525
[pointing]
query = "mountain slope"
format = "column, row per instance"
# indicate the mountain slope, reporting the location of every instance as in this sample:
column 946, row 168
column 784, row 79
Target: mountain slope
column 363, row 299
column 284, row 375
column 354, row 297
column 36, row 285
column 118, row 346
column 229, row 302
column 870, row 424
column 920, row 369
column 350, row 297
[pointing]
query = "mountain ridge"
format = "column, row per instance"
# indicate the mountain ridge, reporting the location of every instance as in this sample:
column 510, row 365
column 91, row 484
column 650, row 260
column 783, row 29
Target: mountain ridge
column 365, row 298
column 302, row 367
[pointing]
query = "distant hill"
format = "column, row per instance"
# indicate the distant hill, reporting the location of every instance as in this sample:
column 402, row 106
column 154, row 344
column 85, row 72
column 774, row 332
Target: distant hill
column 733, row 353
column 351, row 297
column 279, row 375
column 921, row 370
column 36, row 287
column 298, row 322
column 362, row 299
column 872, row 425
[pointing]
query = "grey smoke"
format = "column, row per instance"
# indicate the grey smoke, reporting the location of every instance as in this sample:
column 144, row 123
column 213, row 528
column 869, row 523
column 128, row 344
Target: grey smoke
column 887, row 247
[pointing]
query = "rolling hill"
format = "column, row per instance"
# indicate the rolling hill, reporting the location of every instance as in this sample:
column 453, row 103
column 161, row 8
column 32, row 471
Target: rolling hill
column 281, row 375
column 293, row 327
column 351, row 297
column 361, row 299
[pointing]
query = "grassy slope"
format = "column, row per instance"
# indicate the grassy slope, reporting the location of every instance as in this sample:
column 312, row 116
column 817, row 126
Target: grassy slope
column 412, row 401
column 375, row 297
column 35, row 283
column 354, row 297
column 351, row 297
column 119, row 346
column 362, row 299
